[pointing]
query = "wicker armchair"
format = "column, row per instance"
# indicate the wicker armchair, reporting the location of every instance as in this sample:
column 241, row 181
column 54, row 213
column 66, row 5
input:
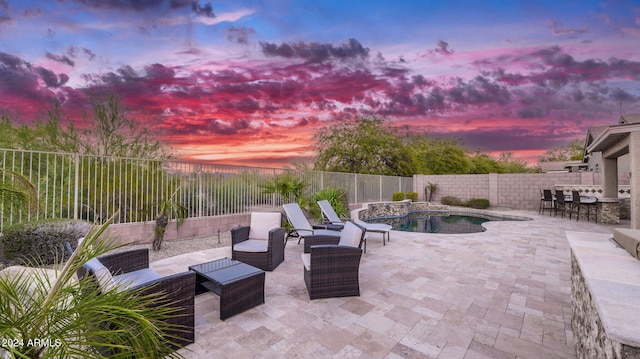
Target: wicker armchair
column 131, row 269
column 332, row 264
column 262, row 243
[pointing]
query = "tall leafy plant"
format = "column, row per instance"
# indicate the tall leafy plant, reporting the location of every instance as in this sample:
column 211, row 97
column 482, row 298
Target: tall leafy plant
column 16, row 192
column 170, row 208
column 431, row 188
column 290, row 187
column 337, row 198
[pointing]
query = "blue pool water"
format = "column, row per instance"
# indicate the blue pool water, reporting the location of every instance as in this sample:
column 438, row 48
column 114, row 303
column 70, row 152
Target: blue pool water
column 438, row 223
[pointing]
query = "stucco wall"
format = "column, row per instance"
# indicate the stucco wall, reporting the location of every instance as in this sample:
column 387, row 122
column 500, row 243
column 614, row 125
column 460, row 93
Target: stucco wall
column 191, row 228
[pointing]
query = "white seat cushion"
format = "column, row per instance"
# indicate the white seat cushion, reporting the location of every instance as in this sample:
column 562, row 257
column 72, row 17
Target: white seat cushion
column 351, row 235
column 135, row 278
column 252, row 245
column 377, row 227
column 306, row 260
column 324, row 232
column 262, row 223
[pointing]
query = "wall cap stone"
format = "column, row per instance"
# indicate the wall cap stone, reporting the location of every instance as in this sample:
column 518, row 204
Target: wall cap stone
column 613, row 279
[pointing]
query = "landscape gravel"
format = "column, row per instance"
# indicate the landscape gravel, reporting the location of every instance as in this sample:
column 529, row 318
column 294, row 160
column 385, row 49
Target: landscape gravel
column 172, row 248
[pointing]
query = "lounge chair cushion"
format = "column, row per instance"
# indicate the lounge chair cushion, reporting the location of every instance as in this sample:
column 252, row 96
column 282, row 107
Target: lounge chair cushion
column 262, row 223
column 377, row 227
column 135, row 278
column 306, row 260
column 252, row 245
column 102, row 274
column 351, row 235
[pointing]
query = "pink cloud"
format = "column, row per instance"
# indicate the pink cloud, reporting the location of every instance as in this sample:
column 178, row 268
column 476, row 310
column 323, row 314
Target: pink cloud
column 634, row 31
column 524, row 99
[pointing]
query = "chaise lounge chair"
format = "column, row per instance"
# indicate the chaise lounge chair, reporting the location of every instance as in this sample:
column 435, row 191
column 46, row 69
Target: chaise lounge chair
column 302, row 227
column 333, row 218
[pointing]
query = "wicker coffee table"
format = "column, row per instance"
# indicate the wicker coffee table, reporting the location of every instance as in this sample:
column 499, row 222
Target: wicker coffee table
column 239, row 285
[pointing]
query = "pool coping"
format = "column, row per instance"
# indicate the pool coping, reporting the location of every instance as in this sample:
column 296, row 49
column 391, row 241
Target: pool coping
column 404, row 209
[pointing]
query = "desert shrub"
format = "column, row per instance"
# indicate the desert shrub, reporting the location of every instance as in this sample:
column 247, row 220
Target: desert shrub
column 413, row 196
column 452, row 201
column 398, row 196
column 41, row 242
column 478, row 203
column 337, row 197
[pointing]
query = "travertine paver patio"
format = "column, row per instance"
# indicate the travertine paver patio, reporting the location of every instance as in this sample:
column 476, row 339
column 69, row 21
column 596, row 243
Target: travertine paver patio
column 504, row 293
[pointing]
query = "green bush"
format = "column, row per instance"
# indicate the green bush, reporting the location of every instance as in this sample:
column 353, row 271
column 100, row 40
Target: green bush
column 478, row 203
column 398, row 196
column 41, row 242
column 337, row 197
column 413, row 196
column 452, row 201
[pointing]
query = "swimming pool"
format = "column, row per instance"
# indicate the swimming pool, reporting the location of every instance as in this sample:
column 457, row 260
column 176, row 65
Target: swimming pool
column 438, row 222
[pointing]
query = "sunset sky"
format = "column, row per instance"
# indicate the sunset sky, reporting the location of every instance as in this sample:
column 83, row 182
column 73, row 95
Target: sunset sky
column 250, row 82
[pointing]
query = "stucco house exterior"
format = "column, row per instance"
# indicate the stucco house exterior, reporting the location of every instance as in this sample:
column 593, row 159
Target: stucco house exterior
column 614, row 152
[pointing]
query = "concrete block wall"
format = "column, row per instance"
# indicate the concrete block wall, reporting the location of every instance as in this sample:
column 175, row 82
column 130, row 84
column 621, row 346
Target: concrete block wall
column 522, row 190
column 516, row 191
column 464, row 187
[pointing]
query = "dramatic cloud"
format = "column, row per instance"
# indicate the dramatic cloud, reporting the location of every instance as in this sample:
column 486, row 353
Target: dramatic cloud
column 558, row 28
column 316, row 52
column 204, row 10
column 50, row 78
column 240, row 35
column 442, row 48
column 32, row 12
column 61, row 59
column 26, row 87
column 137, row 5
column 177, row 63
column 554, row 68
column 74, row 52
column 4, row 12
column 479, row 90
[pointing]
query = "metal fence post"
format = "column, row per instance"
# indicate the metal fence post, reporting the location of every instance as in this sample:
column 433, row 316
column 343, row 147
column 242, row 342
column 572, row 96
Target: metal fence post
column 355, row 180
column 76, row 188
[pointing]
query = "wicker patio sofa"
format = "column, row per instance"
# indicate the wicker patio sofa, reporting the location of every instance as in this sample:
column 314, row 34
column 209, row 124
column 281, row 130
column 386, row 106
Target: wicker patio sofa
column 131, row 269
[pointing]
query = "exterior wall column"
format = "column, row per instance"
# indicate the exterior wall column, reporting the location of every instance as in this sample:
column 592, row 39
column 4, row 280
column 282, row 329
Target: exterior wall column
column 634, row 159
column 610, row 177
column 609, row 206
column 493, row 189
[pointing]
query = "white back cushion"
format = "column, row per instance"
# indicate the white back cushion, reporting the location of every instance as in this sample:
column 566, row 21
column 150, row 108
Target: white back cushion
column 351, row 235
column 102, row 274
column 262, row 223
